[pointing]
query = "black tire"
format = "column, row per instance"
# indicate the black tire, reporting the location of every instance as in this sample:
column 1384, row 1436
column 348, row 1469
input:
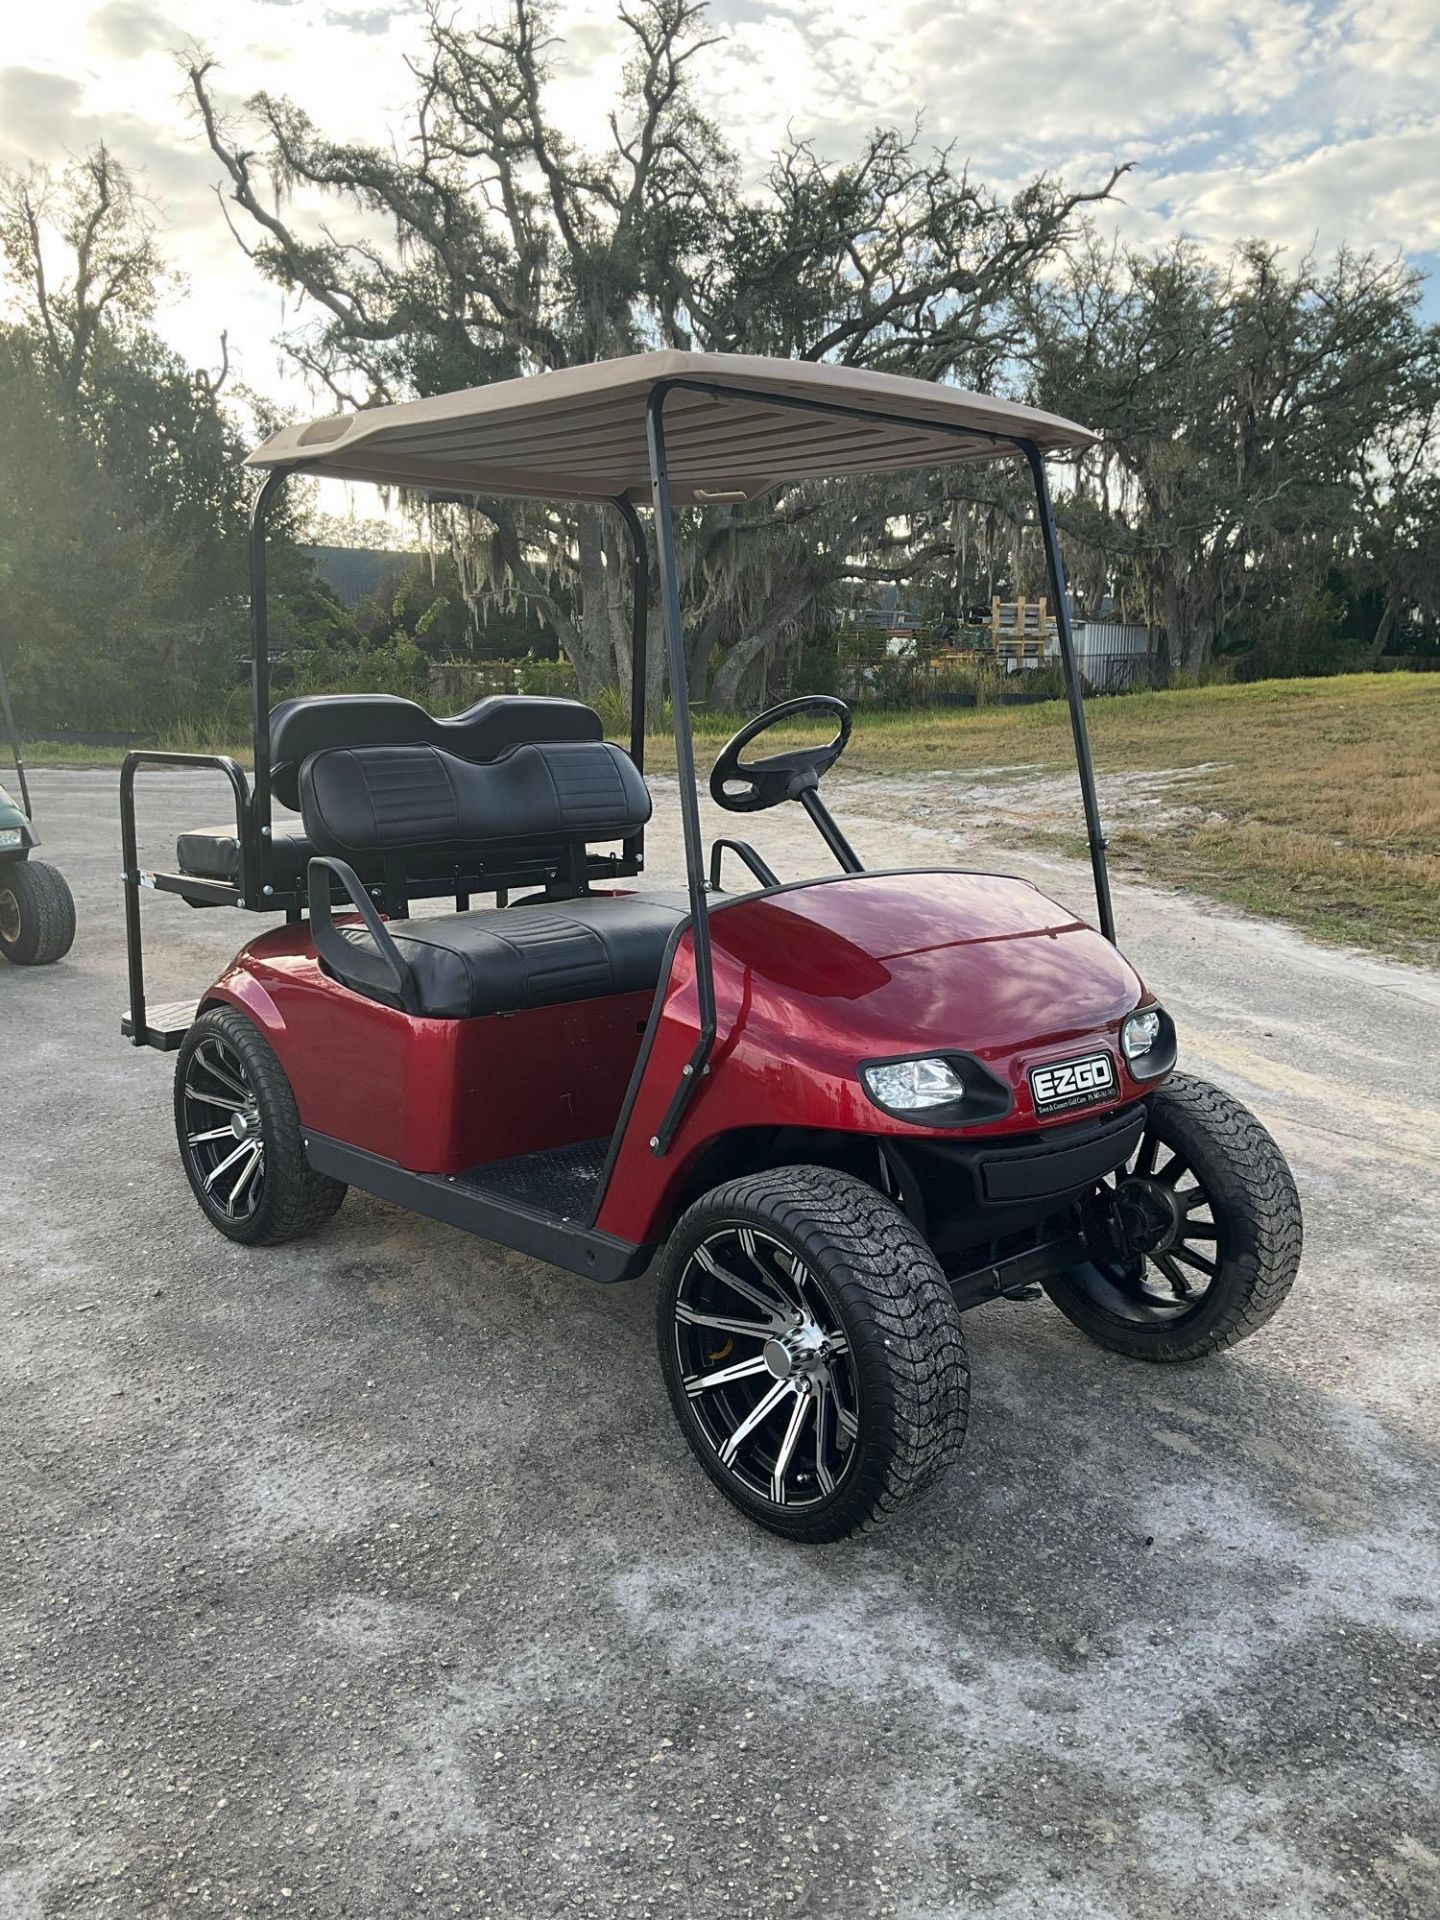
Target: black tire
column 37, row 913
column 1230, row 1258
column 885, row 1382
column 226, row 1065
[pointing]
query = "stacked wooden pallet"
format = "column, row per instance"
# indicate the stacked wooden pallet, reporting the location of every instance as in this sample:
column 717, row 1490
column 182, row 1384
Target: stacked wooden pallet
column 1021, row 631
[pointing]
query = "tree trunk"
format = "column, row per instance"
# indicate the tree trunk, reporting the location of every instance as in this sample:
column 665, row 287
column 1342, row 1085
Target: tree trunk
column 592, row 650
column 1174, row 621
column 1384, row 632
column 1199, row 641
column 656, row 671
column 702, row 635
column 745, row 653
column 1190, row 617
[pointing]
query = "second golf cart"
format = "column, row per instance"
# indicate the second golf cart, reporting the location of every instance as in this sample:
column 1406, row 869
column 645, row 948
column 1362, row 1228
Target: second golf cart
column 839, row 1111
column 37, row 908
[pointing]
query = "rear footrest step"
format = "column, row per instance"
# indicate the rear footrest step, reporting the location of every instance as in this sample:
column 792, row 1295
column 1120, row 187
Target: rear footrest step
column 165, row 1027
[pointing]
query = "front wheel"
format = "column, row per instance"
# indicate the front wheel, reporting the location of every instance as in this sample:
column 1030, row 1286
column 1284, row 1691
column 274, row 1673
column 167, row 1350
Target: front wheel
column 1196, row 1240
column 813, row 1351
column 37, row 913
column 240, row 1138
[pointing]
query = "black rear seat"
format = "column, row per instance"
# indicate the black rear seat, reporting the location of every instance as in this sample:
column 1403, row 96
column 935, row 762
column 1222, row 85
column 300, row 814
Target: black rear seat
column 299, row 728
column 551, row 797
column 505, row 959
column 213, row 853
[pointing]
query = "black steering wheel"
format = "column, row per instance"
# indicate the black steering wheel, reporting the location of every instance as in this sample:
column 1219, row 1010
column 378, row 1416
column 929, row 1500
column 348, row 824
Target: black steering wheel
column 749, row 786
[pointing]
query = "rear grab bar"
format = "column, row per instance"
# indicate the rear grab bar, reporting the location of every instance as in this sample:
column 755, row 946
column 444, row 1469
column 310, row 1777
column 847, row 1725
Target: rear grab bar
column 386, row 968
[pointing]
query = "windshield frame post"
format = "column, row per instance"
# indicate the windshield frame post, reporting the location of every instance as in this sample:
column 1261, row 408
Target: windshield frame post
column 665, row 552
column 255, row 850
column 1074, row 692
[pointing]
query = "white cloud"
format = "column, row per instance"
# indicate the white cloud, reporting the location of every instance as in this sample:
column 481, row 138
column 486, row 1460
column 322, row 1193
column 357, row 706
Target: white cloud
column 1293, row 119
column 1382, row 192
column 126, row 28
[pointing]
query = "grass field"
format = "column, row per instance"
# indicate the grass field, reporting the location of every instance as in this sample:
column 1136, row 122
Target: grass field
column 1315, row 801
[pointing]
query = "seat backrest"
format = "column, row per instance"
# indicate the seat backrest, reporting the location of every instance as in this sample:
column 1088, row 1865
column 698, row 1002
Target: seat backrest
column 301, row 727
column 402, row 799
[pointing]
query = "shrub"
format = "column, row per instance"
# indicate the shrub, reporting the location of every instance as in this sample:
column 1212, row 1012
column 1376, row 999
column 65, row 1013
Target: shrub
column 533, row 675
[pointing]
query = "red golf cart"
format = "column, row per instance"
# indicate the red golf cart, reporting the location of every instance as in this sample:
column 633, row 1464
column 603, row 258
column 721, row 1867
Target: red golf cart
column 839, row 1110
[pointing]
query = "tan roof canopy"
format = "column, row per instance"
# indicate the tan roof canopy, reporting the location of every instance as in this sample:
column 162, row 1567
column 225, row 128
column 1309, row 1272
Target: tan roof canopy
column 579, row 434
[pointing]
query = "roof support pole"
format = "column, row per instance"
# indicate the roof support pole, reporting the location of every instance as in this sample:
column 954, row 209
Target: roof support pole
column 639, row 642
column 1049, row 533
column 684, row 767
column 255, row 851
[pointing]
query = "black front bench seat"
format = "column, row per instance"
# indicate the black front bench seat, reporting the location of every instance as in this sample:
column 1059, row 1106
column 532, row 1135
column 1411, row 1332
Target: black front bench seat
column 506, row 959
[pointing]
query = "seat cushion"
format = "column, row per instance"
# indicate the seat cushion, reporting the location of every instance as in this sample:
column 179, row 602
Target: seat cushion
column 214, row 853
column 505, row 959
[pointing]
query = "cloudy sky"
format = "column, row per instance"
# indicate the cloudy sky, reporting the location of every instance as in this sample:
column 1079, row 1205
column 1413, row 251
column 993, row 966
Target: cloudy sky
column 1305, row 121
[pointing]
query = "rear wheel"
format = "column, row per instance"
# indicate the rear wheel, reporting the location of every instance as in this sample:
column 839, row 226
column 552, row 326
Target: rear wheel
column 240, row 1138
column 37, row 913
column 813, row 1351
column 1197, row 1237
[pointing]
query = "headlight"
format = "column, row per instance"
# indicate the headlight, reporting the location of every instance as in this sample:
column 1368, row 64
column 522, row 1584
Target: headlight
column 1140, row 1033
column 10, row 836
column 907, row 1086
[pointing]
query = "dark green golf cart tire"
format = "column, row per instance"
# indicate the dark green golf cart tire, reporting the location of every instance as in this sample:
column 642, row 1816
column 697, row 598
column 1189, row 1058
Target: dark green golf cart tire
column 37, row 913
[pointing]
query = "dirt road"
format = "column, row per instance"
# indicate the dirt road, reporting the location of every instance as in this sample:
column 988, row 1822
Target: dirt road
column 370, row 1577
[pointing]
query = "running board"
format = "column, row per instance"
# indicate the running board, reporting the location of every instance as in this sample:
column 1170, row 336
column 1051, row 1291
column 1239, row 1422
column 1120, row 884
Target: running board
column 165, row 1027
column 463, row 1201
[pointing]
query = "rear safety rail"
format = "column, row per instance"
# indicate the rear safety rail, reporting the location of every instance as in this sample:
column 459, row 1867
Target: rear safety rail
column 135, row 1025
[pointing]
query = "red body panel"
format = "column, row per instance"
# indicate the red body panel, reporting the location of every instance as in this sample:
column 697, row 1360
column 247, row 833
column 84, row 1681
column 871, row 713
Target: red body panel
column 814, row 980
column 809, row 982
column 435, row 1096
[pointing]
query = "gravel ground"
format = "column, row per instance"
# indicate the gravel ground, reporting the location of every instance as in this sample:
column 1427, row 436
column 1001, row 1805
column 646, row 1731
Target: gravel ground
column 369, row 1576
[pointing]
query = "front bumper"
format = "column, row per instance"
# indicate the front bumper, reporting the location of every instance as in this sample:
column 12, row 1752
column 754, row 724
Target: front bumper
column 965, row 1193
column 1061, row 1162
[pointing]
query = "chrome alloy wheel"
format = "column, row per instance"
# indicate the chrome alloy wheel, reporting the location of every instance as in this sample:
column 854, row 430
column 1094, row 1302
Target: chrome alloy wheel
column 224, row 1134
column 766, row 1367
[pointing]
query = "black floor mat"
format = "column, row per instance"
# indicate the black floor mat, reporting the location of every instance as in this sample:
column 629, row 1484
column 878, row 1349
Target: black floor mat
column 561, row 1180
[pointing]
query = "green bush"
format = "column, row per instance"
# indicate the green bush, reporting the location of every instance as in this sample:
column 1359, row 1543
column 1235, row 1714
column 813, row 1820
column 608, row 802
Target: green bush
column 896, row 682
column 534, row 675
column 385, row 663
